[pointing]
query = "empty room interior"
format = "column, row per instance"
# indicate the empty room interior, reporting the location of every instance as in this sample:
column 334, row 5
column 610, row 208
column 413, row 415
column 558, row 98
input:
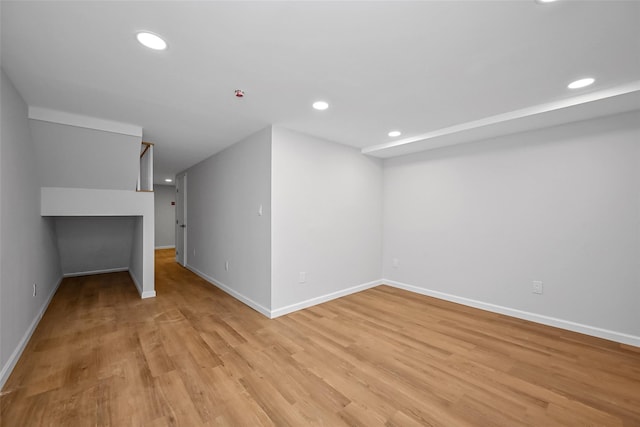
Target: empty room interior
column 359, row 213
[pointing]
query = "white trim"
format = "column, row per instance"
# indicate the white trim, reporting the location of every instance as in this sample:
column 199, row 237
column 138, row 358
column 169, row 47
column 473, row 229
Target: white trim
column 323, row 298
column 237, row 295
column 90, row 273
column 15, row 356
column 533, row 317
column 77, row 120
column 148, row 294
column 143, row 294
column 166, row 247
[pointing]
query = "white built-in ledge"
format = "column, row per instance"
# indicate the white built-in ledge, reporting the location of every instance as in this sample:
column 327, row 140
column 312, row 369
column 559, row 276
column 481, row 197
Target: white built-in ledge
column 70, row 202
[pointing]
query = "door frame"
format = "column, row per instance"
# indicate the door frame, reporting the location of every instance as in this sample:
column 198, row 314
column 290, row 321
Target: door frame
column 181, row 187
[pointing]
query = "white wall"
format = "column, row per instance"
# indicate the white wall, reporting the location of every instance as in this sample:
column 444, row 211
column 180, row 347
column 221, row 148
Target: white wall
column 137, row 258
column 326, row 220
column 90, row 245
column 165, row 215
column 77, row 157
column 224, row 195
column 482, row 221
column 28, row 251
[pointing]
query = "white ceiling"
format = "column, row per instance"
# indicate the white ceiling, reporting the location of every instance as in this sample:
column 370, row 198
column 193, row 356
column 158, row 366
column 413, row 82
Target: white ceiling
column 415, row 66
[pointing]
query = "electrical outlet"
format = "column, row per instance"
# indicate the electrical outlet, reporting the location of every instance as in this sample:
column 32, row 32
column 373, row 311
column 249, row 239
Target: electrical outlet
column 303, row 277
column 396, row 263
column 226, row 265
column 194, row 251
column 35, row 289
column 537, row 287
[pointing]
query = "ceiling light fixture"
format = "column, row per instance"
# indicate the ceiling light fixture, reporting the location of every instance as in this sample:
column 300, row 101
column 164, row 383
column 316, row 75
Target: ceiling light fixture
column 581, row 83
column 168, row 180
column 320, row 105
column 545, row 1
column 394, row 133
column 152, row 41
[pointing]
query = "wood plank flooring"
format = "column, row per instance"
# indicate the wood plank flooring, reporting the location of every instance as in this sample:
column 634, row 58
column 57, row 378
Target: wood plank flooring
column 194, row 356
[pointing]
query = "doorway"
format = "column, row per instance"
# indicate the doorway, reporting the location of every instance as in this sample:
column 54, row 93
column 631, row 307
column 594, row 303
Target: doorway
column 181, row 216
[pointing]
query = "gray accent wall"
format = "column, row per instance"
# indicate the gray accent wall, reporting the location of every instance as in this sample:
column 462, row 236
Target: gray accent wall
column 89, row 245
column 28, row 252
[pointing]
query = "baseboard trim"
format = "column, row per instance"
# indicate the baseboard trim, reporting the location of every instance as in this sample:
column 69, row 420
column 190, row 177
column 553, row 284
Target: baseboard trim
column 15, row 356
column 237, row 295
column 323, row 298
column 148, row 294
column 166, row 247
column 520, row 314
column 143, row 294
column 90, row 273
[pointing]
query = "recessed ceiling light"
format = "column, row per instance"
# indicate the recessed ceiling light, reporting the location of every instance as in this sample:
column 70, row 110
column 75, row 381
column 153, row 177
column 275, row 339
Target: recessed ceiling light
column 394, row 133
column 545, row 1
column 168, row 180
column 152, row 41
column 581, row 83
column 320, row 105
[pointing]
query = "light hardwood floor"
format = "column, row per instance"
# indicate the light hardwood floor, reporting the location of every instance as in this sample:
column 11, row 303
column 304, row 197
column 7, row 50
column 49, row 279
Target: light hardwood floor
column 194, row 356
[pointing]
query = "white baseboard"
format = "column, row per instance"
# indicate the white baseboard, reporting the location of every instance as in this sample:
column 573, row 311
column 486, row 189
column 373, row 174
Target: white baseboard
column 13, row 359
column 143, row 294
column 237, row 295
column 166, row 247
column 322, row 298
column 89, row 273
column 533, row 317
column 148, row 294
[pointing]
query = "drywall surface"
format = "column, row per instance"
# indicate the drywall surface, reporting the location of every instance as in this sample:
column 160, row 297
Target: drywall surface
column 84, row 202
column 229, row 219
column 137, row 258
column 165, row 215
column 28, row 252
column 326, row 219
column 90, row 245
column 70, row 156
column 561, row 205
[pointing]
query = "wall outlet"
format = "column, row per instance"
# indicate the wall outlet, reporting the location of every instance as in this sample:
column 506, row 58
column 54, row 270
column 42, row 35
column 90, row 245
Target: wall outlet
column 194, row 251
column 537, row 287
column 260, row 210
column 396, row 263
column 303, row 277
column 226, row 265
column 35, row 289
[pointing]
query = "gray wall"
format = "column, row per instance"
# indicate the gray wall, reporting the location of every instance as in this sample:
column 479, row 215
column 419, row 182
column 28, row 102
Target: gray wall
column 76, row 157
column 224, row 195
column 28, row 251
column 327, row 218
column 136, row 258
column 561, row 205
column 165, row 215
column 94, row 244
